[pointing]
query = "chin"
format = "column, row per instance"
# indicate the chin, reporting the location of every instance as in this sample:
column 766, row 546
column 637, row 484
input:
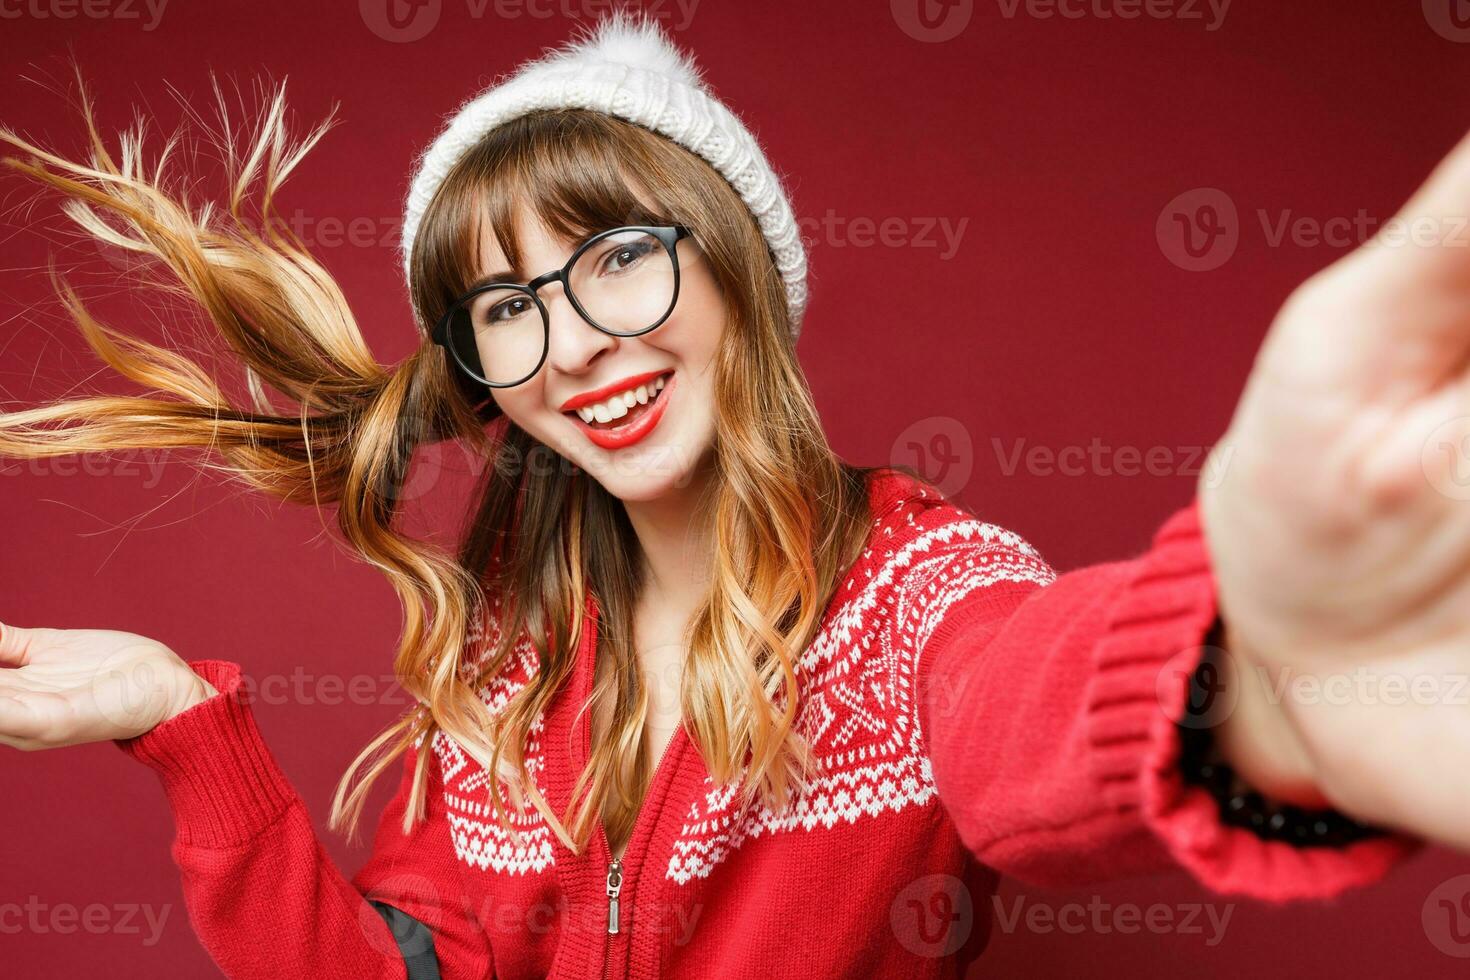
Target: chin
column 669, row 457
column 648, row 474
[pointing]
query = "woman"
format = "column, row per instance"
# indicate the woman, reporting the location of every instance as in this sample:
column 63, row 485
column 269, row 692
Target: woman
column 692, row 685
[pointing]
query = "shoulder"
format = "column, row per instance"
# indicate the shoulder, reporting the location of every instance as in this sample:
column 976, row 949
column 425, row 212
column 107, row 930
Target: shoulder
column 926, row 558
column 861, row 687
column 925, row 546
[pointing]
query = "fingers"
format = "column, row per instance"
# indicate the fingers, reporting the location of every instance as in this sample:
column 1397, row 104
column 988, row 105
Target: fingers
column 1445, row 193
column 1390, row 320
column 26, row 721
column 15, row 644
column 1428, row 240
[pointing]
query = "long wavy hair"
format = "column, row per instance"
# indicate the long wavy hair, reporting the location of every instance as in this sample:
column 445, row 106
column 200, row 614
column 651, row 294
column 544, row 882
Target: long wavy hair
column 789, row 516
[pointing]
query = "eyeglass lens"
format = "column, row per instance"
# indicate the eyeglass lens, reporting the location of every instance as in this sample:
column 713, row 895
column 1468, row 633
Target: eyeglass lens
column 624, row 283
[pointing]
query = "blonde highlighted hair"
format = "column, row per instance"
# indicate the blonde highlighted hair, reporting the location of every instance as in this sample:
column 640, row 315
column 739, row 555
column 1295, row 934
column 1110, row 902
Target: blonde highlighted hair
column 789, row 515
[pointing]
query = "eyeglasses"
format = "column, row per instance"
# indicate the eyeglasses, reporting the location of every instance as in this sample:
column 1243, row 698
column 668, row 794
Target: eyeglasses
column 623, row 281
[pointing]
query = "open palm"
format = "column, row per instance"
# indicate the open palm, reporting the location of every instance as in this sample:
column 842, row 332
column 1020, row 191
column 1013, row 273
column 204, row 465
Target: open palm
column 64, row 687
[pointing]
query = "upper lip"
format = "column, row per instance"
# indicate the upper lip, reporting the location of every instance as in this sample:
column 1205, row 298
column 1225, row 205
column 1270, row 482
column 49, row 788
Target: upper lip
column 602, row 394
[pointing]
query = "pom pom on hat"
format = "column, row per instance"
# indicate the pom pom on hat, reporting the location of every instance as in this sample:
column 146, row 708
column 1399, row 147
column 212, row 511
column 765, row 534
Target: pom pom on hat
column 623, row 40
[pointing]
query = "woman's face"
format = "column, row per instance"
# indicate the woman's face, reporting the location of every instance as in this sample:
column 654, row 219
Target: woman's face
column 661, row 440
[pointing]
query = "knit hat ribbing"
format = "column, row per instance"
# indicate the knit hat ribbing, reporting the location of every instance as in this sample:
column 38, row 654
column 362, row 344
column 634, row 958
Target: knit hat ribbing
column 627, row 67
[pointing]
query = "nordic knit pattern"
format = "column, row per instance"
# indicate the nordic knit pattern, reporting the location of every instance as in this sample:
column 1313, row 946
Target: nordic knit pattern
column 974, row 714
column 629, row 68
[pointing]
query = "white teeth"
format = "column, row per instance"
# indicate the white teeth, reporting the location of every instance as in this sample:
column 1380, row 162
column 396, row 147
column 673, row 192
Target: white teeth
column 617, row 406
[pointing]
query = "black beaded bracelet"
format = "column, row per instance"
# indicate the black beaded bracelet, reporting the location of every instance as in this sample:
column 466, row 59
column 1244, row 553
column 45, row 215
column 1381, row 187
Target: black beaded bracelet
column 1239, row 805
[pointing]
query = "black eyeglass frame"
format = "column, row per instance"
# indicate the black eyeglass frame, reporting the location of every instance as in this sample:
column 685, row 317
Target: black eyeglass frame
column 668, row 235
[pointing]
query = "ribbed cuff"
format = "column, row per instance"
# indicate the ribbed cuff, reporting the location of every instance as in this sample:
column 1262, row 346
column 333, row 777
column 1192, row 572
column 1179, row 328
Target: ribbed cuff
column 221, row 781
column 1144, row 661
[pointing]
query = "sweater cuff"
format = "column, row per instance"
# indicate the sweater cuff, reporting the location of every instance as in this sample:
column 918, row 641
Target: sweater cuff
column 220, row 779
column 1145, row 659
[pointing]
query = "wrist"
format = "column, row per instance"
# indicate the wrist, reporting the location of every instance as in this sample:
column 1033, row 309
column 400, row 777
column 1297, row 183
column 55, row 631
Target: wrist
column 1275, row 800
column 192, row 690
column 1258, row 738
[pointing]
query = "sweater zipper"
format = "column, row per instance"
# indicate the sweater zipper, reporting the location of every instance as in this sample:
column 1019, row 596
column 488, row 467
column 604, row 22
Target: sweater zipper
column 614, row 886
column 615, row 865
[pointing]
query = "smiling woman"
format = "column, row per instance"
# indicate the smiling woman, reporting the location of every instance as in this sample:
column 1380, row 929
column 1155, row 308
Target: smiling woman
column 701, row 675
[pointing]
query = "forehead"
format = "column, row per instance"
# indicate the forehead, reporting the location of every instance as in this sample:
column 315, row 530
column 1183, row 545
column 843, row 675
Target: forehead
column 535, row 242
column 541, row 247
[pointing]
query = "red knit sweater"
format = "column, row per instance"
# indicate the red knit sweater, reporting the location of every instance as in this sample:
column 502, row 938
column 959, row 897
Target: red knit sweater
column 974, row 715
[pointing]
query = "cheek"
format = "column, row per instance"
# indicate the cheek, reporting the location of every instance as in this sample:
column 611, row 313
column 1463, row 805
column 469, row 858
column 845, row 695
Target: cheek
column 521, row 406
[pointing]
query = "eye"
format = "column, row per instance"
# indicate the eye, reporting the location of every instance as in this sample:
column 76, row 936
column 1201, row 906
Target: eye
column 505, row 310
column 625, row 255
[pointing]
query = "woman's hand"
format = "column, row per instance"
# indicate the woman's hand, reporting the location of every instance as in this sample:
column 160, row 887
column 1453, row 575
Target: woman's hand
column 1340, row 530
column 66, row 687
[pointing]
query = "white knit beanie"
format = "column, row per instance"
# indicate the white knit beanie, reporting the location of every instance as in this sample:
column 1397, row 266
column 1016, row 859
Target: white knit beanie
column 627, row 67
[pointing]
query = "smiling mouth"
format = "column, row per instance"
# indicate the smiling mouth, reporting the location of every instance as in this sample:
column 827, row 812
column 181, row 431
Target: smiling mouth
column 642, row 398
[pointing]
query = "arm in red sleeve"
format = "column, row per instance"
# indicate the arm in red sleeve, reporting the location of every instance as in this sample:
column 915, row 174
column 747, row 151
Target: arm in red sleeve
column 1048, row 708
column 263, row 896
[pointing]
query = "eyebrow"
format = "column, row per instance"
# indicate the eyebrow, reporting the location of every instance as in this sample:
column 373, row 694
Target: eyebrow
column 510, row 278
column 514, row 277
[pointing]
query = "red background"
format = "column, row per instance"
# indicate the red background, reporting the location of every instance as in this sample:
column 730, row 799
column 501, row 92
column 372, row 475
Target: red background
column 1060, row 319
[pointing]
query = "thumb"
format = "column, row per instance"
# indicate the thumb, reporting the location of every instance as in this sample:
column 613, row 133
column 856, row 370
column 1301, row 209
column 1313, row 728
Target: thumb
column 15, row 645
column 1389, row 319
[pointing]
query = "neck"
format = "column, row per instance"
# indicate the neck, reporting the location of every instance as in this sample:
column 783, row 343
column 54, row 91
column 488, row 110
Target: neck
column 676, row 535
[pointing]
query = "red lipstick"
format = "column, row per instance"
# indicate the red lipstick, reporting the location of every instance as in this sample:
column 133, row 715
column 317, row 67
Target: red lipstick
column 607, row 391
column 625, row 435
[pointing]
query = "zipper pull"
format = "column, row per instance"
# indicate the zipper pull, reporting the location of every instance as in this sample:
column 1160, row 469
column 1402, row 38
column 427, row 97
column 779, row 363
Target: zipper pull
column 614, row 886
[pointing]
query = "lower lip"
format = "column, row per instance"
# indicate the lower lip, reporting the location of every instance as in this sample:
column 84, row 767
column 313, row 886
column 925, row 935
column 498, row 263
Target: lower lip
column 635, row 430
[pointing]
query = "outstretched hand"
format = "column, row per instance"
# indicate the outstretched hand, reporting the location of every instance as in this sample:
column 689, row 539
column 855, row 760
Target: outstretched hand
column 65, row 687
column 1340, row 530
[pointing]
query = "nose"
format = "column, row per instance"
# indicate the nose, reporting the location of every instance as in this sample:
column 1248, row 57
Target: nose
column 574, row 343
